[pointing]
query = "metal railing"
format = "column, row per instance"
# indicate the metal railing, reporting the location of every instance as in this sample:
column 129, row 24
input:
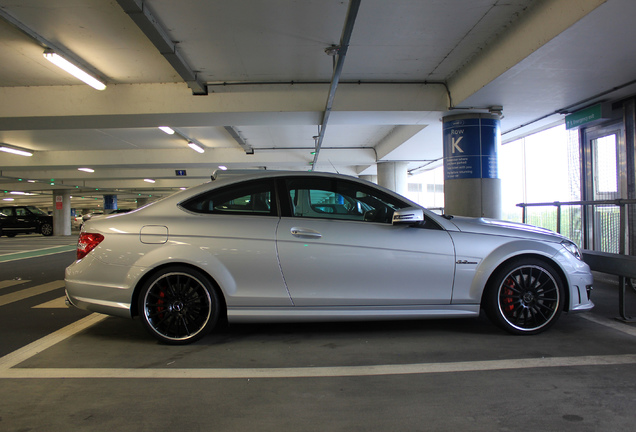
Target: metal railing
column 620, row 203
column 622, row 263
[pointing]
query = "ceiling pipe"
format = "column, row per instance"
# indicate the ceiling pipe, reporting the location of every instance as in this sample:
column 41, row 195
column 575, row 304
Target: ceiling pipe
column 352, row 13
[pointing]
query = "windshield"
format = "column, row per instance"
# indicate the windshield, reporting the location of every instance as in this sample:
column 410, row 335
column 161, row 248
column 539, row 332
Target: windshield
column 36, row 211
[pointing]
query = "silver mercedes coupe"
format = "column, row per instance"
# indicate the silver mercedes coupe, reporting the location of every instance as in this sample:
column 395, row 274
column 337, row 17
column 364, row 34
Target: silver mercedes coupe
column 270, row 246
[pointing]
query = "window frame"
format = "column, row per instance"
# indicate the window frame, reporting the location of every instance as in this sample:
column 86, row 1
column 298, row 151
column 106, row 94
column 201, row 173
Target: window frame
column 268, row 183
column 337, row 187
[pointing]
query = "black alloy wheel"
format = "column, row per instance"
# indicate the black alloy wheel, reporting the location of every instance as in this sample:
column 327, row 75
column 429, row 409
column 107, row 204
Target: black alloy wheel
column 46, row 229
column 178, row 306
column 526, row 297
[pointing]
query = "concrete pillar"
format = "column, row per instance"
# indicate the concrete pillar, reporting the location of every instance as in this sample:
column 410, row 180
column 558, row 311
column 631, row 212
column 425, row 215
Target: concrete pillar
column 471, row 179
column 61, row 212
column 393, row 176
column 370, row 178
column 110, row 203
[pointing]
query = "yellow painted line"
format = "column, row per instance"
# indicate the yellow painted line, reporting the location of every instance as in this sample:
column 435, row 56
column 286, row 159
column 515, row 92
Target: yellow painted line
column 58, row 303
column 10, row 283
column 319, row 372
column 30, row 292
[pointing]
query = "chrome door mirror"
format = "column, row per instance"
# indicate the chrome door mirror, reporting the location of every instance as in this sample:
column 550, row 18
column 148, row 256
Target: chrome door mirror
column 408, row 216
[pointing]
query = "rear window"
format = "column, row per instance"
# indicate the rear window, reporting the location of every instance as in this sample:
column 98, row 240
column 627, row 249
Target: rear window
column 250, row 198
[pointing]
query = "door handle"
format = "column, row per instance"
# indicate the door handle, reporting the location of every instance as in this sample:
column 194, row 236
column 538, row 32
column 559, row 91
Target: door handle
column 305, row 233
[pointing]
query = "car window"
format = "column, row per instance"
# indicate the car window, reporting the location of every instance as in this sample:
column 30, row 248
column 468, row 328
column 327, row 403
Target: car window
column 21, row 211
column 250, row 198
column 7, row 211
column 37, row 211
column 340, row 199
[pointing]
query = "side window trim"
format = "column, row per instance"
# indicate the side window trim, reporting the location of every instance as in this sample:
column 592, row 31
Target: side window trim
column 189, row 204
column 339, row 187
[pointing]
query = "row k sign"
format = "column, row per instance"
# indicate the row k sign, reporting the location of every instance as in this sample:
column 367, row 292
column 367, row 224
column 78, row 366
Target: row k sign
column 470, row 148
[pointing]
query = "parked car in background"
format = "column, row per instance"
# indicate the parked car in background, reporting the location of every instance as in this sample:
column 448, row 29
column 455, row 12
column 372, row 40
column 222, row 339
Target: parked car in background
column 24, row 220
column 77, row 221
column 299, row 246
column 88, row 216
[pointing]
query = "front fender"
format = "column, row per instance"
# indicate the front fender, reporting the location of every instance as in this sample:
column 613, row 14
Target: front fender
column 478, row 256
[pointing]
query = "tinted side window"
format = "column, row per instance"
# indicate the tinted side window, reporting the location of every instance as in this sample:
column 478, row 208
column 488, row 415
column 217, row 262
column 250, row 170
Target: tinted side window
column 251, row 198
column 7, row 211
column 339, row 199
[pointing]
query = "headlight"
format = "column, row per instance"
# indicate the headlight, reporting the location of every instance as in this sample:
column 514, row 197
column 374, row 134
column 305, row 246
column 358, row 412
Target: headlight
column 573, row 249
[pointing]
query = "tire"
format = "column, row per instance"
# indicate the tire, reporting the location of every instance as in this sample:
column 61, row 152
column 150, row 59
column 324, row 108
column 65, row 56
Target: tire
column 525, row 296
column 46, row 229
column 178, row 305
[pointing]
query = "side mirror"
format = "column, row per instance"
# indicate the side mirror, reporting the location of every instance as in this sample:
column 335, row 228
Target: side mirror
column 408, row 216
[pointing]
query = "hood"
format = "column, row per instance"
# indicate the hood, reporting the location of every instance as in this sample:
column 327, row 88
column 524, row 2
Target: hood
column 504, row 228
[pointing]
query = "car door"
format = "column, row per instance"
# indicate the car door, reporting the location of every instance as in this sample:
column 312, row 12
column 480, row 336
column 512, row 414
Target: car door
column 13, row 222
column 24, row 220
column 337, row 247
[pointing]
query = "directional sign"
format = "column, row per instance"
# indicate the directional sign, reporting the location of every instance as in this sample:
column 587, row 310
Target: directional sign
column 470, row 148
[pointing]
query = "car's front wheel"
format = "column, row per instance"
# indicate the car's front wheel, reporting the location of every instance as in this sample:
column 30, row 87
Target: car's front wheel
column 46, row 229
column 178, row 305
column 525, row 296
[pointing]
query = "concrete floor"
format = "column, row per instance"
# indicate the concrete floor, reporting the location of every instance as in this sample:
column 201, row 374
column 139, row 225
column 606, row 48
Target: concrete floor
column 89, row 372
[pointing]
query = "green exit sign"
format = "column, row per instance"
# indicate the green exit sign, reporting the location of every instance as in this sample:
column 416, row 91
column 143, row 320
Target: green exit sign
column 588, row 115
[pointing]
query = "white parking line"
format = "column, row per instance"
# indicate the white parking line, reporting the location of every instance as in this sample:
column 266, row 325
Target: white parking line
column 320, row 372
column 29, row 292
column 34, row 348
column 58, row 303
column 9, row 371
column 616, row 325
column 10, row 283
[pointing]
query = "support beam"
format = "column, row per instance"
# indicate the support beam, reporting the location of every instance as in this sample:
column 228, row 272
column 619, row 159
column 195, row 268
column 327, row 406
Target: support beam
column 394, row 139
column 144, row 18
column 151, row 105
column 543, row 21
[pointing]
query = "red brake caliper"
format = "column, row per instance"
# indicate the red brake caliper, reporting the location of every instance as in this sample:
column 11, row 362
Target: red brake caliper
column 159, row 303
column 508, row 292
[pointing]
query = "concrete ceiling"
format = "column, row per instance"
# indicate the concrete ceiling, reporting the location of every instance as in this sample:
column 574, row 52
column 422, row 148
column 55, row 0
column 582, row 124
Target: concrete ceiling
column 267, row 78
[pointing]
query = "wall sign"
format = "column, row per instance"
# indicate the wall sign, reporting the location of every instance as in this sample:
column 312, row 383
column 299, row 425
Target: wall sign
column 470, row 148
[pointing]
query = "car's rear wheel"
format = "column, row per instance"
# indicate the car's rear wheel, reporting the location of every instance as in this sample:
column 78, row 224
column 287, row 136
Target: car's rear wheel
column 178, row 305
column 46, row 229
column 525, row 296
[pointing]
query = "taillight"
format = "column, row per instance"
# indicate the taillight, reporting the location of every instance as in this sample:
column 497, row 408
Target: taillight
column 87, row 242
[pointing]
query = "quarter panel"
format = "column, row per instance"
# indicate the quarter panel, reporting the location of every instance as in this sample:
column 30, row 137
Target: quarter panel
column 238, row 252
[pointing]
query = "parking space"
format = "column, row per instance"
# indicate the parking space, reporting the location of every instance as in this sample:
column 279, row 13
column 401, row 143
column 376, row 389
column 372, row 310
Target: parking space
column 64, row 369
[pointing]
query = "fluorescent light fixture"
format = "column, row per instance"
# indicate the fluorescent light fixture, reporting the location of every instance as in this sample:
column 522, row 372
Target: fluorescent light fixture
column 30, row 181
column 88, row 170
column 15, row 150
column 8, row 199
column 222, row 167
column 195, row 147
column 69, row 67
column 167, row 129
column 17, row 193
column 149, row 180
